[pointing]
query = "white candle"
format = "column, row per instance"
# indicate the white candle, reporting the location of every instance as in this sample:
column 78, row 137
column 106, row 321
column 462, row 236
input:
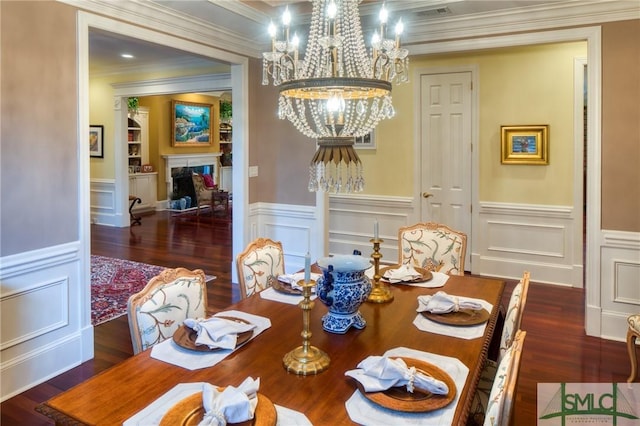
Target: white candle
column 307, row 268
column 375, row 229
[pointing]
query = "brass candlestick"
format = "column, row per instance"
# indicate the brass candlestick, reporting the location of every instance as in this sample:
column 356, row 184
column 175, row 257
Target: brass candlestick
column 380, row 293
column 306, row 359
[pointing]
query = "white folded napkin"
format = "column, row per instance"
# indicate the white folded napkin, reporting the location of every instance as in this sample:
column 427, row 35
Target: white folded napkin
column 298, row 276
column 217, row 332
column 232, row 405
column 402, row 273
column 378, row 373
column 442, row 303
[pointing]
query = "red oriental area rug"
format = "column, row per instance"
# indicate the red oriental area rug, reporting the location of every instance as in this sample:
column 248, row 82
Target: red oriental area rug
column 112, row 282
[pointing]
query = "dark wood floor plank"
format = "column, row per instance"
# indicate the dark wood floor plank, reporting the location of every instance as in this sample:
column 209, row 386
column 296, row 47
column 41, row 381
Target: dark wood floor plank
column 556, row 348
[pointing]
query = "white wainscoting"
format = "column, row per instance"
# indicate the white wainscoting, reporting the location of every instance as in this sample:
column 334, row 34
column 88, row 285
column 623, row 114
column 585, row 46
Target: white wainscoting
column 351, row 220
column 42, row 331
column 103, row 202
column 541, row 239
column 293, row 225
column 619, row 282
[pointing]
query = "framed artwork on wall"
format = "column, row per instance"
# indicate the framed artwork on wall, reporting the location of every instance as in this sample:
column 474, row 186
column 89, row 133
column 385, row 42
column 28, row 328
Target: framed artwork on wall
column 525, row 144
column 367, row 141
column 190, row 124
column 96, row 141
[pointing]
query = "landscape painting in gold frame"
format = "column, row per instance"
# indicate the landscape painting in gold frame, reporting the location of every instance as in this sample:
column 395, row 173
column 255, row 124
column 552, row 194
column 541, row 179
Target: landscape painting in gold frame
column 524, row 145
column 190, row 124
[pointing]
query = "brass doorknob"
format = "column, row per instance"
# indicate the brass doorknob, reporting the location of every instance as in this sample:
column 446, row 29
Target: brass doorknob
column 426, row 195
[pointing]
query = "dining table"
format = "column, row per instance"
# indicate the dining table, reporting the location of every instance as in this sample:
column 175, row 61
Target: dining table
column 118, row 394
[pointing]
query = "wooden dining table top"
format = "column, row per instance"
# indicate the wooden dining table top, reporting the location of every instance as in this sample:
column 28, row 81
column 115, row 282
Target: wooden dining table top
column 118, row 393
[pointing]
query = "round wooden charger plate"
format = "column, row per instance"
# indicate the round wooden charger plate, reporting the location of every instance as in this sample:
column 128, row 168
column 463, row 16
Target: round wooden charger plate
column 463, row 317
column 190, row 411
column 426, row 275
column 286, row 288
column 420, row 401
column 185, row 337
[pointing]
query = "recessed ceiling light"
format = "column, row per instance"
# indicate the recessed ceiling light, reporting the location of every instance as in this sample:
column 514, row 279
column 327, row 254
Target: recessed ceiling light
column 127, row 55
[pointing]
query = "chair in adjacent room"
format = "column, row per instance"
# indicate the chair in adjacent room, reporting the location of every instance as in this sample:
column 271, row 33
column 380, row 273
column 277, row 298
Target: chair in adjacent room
column 432, row 246
column 262, row 259
column 156, row 312
column 204, row 194
column 632, row 333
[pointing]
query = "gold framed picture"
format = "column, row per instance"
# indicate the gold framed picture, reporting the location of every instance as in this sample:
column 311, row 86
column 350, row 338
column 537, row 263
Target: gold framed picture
column 190, row 123
column 525, row 144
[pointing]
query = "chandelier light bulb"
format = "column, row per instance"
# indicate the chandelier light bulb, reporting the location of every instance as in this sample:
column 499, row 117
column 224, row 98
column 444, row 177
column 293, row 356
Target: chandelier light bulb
column 384, row 15
column 399, row 27
column 286, row 17
column 272, row 30
column 332, row 10
column 375, row 39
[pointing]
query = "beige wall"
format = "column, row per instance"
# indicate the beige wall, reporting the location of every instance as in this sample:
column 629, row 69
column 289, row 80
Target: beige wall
column 38, row 151
column 101, row 113
column 524, row 85
column 39, row 36
column 621, row 126
column 281, row 153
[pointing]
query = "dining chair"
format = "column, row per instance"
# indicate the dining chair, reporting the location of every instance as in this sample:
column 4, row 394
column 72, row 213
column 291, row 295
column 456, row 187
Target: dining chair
column 500, row 405
column 432, row 246
column 632, row 333
column 156, row 312
column 512, row 323
column 262, row 259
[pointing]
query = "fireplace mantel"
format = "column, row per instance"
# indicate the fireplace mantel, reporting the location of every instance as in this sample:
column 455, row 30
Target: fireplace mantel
column 173, row 161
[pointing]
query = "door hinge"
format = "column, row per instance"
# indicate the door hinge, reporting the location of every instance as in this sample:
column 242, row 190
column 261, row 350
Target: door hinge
column 471, row 208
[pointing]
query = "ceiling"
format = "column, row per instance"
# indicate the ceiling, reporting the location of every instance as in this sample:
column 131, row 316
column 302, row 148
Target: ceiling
column 246, row 21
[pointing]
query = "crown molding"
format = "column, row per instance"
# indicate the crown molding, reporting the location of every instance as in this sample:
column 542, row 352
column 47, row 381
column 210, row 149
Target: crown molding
column 197, row 83
column 153, row 16
column 529, row 19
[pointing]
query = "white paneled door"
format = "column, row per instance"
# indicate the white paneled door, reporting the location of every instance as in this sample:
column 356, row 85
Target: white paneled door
column 445, row 107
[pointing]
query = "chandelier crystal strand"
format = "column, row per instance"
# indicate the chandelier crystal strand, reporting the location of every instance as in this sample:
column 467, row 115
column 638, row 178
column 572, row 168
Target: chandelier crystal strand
column 339, row 90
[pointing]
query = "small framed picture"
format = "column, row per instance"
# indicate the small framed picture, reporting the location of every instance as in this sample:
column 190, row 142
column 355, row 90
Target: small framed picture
column 132, row 170
column 367, row 141
column 524, row 145
column 147, row 168
column 96, row 141
column 137, row 169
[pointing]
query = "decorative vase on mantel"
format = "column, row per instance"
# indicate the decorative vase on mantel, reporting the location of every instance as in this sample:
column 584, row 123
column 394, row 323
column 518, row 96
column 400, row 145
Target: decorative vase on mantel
column 343, row 287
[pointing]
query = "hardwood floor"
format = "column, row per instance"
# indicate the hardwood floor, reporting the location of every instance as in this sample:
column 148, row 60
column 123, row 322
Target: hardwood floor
column 556, row 348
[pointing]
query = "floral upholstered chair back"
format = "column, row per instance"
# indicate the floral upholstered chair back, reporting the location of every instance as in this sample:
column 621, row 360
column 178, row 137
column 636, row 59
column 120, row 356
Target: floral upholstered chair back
column 432, row 246
column 513, row 316
column 157, row 311
column 262, row 259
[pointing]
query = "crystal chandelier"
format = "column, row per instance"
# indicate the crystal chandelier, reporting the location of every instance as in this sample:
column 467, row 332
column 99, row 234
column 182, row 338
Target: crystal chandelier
column 339, row 91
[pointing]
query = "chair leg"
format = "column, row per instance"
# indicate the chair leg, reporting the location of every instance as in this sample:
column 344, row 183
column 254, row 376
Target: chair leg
column 631, row 347
column 135, row 220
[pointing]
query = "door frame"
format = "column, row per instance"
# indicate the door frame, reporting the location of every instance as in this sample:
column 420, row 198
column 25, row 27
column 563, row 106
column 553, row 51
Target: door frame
column 475, row 159
column 240, row 89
